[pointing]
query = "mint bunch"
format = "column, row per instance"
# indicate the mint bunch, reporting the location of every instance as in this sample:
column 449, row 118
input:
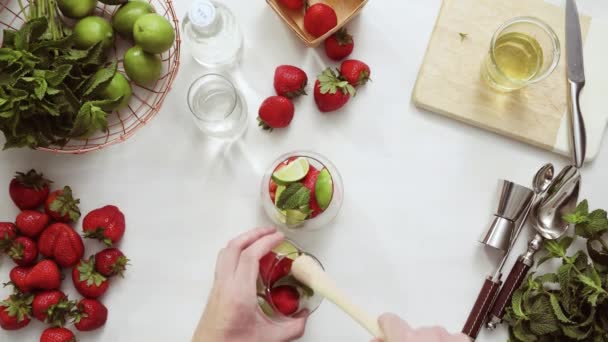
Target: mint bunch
column 571, row 303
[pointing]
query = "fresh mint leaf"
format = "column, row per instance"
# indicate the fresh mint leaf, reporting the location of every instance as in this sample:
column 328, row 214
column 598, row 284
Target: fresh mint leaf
column 101, row 79
column 542, row 319
column 516, row 304
column 287, row 193
column 580, row 214
column 523, row 333
column 557, row 309
column 299, row 199
column 555, row 249
column 576, row 333
column 90, row 119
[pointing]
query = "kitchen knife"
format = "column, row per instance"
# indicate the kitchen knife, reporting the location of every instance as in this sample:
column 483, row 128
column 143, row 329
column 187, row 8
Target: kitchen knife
column 576, row 82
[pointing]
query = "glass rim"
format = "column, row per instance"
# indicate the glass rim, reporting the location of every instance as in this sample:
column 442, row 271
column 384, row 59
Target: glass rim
column 208, row 76
column 546, row 28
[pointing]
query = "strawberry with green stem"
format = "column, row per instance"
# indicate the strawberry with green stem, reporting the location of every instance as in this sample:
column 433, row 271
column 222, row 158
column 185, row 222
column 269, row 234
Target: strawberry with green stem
column 15, row 311
column 275, row 112
column 61, row 206
column 339, row 45
column 8, row 233
column 290, row 81
column 355, row 72
column 91, row 314
column 88, row 282
column 332, row 92
column 106, row 224
column 29, row 190
column 52, row 307
column 23, row 251
column 111, row 262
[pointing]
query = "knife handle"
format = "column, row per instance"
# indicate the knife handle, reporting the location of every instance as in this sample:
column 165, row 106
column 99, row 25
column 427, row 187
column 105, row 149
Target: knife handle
column 480, row 310
column 577, row 123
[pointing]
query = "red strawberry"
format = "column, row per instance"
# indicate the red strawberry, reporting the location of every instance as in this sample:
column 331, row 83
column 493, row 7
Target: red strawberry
column 355, row 72
column 18, row 276
column 29, row 190
column 51, row 307
column 23, row 251
column 61, row 206
column 273, row 269
column 111, row 262
column 290, row 81
column 309, row 182
column 61, row 243
column 15, row 311
column 320, row 19
column 31, row 223
column 91, row 315
column 286, row 299
column 293, row 4
column 332, row 93
column 57, row 335
column 275, row 112
column 8, row 232
column 105, row 224
column 44, row 276
column 88, row 282
column 339, row 45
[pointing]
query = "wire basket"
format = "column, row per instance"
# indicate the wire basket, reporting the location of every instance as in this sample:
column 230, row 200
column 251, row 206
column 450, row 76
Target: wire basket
column 146, row 101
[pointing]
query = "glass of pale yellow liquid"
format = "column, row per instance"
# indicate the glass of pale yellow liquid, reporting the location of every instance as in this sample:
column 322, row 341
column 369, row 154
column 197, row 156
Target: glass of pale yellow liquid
column 524, row 50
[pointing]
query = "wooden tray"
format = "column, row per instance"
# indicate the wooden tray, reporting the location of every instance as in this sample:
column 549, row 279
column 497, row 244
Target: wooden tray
column 345, row 9
column 449, row 80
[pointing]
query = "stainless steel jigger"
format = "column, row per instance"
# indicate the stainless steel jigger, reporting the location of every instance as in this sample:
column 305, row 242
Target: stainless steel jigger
column 514, row 201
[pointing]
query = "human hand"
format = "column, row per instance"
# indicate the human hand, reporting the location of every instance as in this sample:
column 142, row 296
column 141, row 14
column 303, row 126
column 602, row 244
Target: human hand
column 232, row 313
column 397, row 330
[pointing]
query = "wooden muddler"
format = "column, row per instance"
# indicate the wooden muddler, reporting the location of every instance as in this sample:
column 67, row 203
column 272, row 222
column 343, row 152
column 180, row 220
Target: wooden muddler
column 306, row 270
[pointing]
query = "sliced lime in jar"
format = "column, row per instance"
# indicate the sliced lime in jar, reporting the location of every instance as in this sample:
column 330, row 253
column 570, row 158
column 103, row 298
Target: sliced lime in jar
column 324, row 189
column 293, row 172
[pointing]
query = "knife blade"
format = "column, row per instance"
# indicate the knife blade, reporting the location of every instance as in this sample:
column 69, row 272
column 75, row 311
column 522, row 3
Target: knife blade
column 574, row 44
column 576, row 81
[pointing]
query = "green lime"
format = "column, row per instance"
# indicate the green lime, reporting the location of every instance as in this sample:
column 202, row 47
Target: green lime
column 124, row 19
column 77, row 9
column 324, row 189
column 278, row 193
column 119, row 86
column 286, row 248
column 295, row 217
column 91, row 30
column 293, row 172
column 153, row 33
column 141, row 67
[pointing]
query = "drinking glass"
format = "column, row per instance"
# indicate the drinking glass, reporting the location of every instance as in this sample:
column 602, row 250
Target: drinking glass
column 319, row 162
column 523, row 51
column 218, row 107
column 275, row 275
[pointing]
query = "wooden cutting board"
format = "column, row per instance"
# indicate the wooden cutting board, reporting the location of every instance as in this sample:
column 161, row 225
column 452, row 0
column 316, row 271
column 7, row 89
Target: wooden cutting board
column 449, row 80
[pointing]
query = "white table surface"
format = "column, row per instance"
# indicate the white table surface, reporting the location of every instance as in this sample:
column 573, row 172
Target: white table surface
column 419, row 188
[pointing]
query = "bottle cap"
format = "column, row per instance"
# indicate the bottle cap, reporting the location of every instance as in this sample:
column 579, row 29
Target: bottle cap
column 202, row 13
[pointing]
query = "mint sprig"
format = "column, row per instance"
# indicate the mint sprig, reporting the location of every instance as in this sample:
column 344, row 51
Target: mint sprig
column 295, row 196
column 571, row 302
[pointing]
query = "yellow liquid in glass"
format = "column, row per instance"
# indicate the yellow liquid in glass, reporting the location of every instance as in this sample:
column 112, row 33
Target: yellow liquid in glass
column 517, row 59
column 518, row 56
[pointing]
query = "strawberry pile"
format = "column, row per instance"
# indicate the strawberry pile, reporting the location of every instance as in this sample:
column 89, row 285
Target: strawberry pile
column 42, row 243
